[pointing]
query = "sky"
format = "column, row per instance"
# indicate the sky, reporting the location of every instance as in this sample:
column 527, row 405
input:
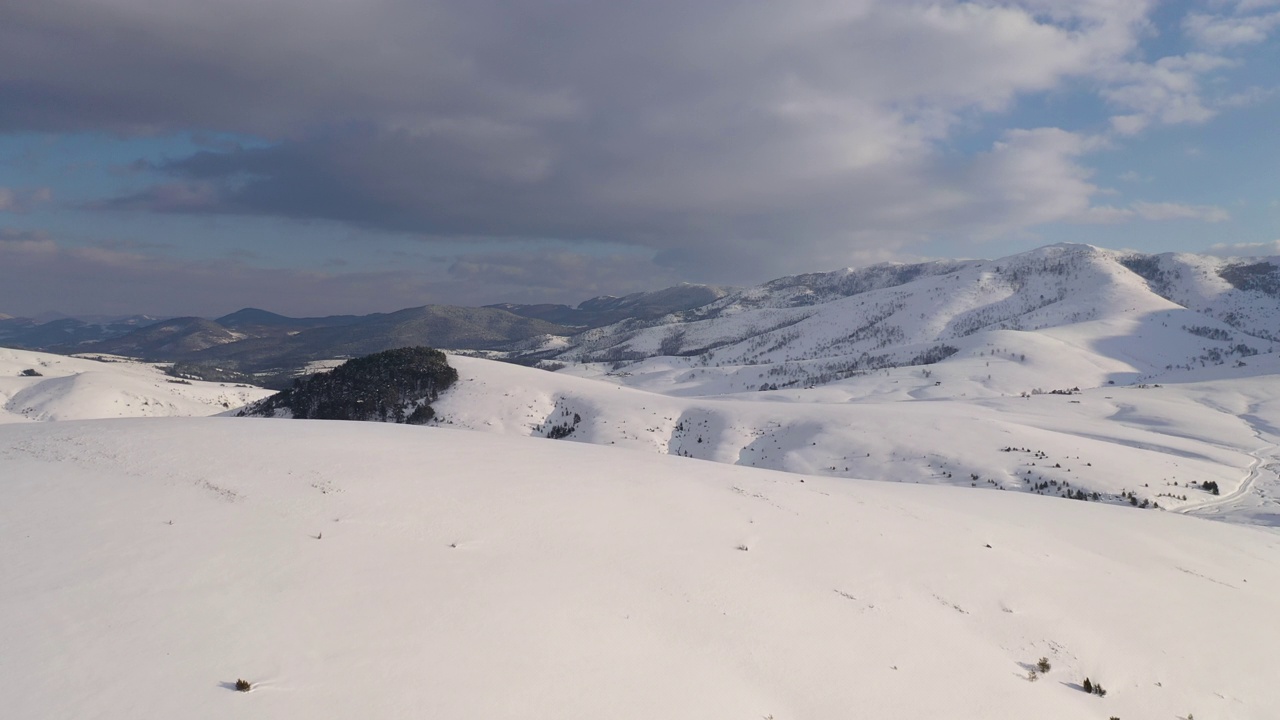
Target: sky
column 310, row 157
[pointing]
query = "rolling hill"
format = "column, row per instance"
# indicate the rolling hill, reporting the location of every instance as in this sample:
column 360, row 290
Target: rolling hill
column 72, row 388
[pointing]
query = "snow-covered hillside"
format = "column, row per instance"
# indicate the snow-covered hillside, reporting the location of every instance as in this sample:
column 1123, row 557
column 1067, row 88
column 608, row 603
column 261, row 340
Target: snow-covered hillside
column 1149, row 445
column 370, row 570
column 41, row 386
column 1112, row 311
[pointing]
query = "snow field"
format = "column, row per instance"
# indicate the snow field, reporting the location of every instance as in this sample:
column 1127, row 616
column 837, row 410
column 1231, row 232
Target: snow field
column 369, row 570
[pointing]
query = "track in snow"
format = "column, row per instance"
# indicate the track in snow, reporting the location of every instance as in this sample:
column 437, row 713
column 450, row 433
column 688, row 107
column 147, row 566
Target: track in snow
column 1261, row 458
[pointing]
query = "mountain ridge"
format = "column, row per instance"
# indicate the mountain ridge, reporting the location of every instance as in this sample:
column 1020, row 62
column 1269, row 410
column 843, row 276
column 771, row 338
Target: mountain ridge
column 810, row 328
column 814, row 328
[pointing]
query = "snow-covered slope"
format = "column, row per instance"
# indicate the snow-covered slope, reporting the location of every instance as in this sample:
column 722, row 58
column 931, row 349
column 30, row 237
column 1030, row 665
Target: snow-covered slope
column 369, row 570
column 1242, row 292
column 1153, row 445
column 71, row 388
column 1143, row 314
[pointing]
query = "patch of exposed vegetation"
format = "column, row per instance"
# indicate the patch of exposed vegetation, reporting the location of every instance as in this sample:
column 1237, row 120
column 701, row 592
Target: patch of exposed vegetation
column 391, row 386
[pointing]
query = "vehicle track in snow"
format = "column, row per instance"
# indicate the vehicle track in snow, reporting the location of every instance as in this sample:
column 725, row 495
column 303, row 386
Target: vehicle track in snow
column 1260, row 461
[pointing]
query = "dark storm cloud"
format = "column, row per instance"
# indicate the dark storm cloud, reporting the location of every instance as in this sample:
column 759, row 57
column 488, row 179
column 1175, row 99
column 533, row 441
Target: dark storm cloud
column 713, row 134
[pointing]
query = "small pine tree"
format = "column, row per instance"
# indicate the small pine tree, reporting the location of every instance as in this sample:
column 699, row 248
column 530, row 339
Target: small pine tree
column 243, row 685
column 1088, row 686
column 1043, row 665
column 1099, row 690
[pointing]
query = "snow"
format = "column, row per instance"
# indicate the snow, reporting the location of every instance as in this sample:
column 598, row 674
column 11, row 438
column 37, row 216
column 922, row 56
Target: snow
column 802, row 331
column 1068, row 369
column 370, row 570
column 73, row 388
column 1154, row 442
column 691, row 547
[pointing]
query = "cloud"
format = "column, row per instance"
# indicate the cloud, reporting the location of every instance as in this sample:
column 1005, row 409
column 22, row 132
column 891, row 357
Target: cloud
column 1245, row 6
column 1175, row 211
column 1247, row 98
column 541, row 275
column 39, row 273
column 731, row 140
column 1244, row 250
column 695, row 130
column 440, row 188
column 1156, row 212
column 23, row 200
column 29, row 238
column 1216, row 31
column 1164, row 92
column 170, row 197
column 273, row 68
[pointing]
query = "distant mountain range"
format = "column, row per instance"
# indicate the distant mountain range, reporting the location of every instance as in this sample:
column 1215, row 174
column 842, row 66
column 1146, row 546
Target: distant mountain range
column 65, row 332
column 258, row 341
column 254, row 340
column 607, row 310
column 804, row 329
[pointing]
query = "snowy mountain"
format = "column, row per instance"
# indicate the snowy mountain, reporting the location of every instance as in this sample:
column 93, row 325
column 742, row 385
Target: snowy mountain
column 1151, row 313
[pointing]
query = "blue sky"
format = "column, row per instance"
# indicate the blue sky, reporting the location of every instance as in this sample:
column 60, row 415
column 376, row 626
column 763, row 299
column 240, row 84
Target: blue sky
column 366, row 156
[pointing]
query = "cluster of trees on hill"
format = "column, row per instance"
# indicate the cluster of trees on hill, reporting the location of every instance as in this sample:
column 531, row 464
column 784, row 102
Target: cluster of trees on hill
column 391, row 386
column 227, row 373
column 1263, row 277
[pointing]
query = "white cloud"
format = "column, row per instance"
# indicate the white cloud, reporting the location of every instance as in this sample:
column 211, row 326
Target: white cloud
column 1217, row 31
column 1156, row 212
column 1247, row 97
column 1177, row 211
column 1261, row 249
column 1166, row 91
